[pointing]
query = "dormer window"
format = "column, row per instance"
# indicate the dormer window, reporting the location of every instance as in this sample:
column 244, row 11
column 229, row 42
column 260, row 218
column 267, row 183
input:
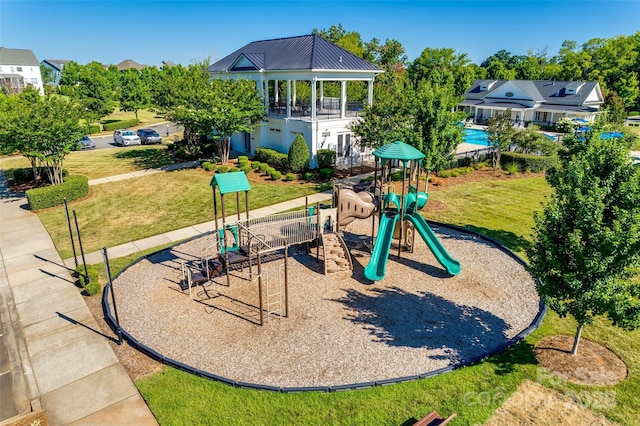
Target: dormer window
column 487, row 85
column 509, row 94
column 573, row 88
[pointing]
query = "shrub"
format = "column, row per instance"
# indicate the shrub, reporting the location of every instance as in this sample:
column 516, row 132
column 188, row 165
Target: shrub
column 534, row 163
column 270, row 170
column 299, row 155
column 308, row 176
column 326, row 158
column 289, row 177
column 263, row 167
column 271, row 156
column 243, row 159
column 209, row 166
column 255, row 164
column 245, row 169
column 512, row 168
column 222, row 169
column 326, row 173
column 275, row 175
column 234, row 169
column 243, row 164
column 72, row 188
column 120, row 124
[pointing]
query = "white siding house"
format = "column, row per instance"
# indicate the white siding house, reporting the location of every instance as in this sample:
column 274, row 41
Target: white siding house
column 541, row 102
column 278, row 66
column 18, row 69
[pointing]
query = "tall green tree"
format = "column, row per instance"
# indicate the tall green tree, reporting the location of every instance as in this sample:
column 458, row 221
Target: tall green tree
column 219, row 108
column 133, row 92
column 95, row 90
column 500, row 133
column 586, row 243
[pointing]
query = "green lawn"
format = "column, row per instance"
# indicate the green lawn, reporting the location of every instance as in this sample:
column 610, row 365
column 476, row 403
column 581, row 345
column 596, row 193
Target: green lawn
column 128, row 210
column 105, row 162
column 501, row 209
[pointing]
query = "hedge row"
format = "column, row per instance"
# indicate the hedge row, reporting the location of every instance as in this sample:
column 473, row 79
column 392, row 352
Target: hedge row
column 272, row 157
column 533, row 163
column 120, row 124
column 74, row 187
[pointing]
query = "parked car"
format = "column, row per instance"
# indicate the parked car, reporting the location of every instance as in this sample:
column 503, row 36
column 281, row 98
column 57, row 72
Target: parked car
column 149, row 136
column 86, row 143
column 125, row 137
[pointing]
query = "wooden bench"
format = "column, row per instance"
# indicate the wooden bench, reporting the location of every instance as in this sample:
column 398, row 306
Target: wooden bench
column 434, row 419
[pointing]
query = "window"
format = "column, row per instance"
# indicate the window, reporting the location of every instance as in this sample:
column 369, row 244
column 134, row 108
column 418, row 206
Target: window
column 11, row 69
column 34, row 81
column 19, row 69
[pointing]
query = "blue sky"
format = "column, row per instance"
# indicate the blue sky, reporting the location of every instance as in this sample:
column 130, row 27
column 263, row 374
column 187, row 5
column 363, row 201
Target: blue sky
column 183, row 31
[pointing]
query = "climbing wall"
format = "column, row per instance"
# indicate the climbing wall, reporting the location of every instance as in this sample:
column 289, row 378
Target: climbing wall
column 336, row 255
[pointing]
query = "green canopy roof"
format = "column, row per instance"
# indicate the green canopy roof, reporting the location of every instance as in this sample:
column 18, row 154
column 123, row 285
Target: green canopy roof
column 230, row 182
column 398, row 151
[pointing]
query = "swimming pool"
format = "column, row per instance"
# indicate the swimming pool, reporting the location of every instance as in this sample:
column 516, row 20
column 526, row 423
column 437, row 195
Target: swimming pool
column 476, row 137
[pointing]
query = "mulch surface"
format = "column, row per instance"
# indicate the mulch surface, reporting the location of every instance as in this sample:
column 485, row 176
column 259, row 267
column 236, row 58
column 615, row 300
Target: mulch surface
column 594, row 364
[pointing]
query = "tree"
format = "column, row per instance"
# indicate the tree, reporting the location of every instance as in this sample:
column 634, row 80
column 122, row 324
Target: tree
column 586, row 242
column 299, row 155
column 133, row 94
column 48, row 77
column 95, row 90
column 437, row 124
column 218, row 109
column 500, row 133
column 44, row 129
column 614, row 106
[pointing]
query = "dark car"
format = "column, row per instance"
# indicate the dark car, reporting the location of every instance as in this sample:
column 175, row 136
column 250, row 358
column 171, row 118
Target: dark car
column 86, row 143
column 149, row 136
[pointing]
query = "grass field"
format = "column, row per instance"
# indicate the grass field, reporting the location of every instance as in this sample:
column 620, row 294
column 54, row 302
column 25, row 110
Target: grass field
column 105, row 162
column 141, row 207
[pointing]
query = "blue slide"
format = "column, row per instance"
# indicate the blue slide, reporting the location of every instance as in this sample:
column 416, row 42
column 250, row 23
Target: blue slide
column 449, row 263
column 377, row 266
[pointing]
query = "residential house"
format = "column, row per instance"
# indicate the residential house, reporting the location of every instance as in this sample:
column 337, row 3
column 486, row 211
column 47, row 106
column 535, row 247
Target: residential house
column 291, row 74
column 18, row 69
column 55, row 65
column 542, row 102
column 129, row 63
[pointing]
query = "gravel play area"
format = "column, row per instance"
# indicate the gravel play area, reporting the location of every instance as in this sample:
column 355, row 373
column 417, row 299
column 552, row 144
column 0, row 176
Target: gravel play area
column 341, row 328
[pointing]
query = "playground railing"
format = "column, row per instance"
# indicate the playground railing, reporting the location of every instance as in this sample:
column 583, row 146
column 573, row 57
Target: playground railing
column 283, row 229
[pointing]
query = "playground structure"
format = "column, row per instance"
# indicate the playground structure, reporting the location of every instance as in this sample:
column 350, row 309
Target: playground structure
column 398, row 215
column 331, row 319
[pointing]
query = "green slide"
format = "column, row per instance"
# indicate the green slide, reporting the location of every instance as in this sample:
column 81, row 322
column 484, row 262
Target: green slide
column 449, row 263
column 377, row 266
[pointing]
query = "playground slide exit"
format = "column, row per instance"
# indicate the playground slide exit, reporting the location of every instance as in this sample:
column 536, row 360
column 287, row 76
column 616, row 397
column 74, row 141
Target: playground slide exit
column 377, row 266
column 449, row 263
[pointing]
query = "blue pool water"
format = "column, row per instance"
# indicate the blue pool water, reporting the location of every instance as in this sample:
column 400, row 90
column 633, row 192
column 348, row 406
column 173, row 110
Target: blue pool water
column 476, row 137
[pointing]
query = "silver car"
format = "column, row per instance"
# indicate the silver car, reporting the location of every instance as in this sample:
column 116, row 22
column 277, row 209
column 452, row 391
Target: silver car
column 125, row 137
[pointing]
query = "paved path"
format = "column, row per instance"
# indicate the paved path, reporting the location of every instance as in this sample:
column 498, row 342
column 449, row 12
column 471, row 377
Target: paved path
column 52, row 354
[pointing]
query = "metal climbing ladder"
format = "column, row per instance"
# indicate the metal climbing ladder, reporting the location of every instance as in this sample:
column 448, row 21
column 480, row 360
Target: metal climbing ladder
column 274, row 295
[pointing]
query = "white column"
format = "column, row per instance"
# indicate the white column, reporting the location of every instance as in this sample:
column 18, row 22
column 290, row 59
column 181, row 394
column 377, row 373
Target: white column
column 275, row 90
column 313, row 99
column 266, row 95
column 343, row 99
column 288, row 98
column 294, row 92
column 370, row 92
column 321, row 94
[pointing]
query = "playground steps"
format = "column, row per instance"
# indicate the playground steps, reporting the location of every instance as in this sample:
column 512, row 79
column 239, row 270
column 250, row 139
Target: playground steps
column 336, row 255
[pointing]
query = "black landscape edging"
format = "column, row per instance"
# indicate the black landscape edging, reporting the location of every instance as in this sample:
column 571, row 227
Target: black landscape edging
column 346, row 387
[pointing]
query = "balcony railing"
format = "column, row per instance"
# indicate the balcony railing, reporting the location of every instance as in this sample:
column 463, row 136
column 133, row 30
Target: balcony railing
column 328, row 108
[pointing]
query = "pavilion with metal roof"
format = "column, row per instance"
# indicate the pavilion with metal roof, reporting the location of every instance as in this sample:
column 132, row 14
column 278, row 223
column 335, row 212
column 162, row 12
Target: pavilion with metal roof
column 293, row 76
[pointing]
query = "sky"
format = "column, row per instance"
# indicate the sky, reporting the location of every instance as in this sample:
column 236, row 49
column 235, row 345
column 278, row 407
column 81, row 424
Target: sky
column 150, row 32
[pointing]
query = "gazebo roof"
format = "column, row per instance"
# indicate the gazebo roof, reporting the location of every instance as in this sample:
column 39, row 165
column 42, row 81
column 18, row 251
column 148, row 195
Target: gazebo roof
column 230, row 182
column 398, row 151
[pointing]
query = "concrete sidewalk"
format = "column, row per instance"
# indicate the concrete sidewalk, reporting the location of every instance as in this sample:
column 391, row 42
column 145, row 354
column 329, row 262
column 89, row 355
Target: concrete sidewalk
column 52, row 353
